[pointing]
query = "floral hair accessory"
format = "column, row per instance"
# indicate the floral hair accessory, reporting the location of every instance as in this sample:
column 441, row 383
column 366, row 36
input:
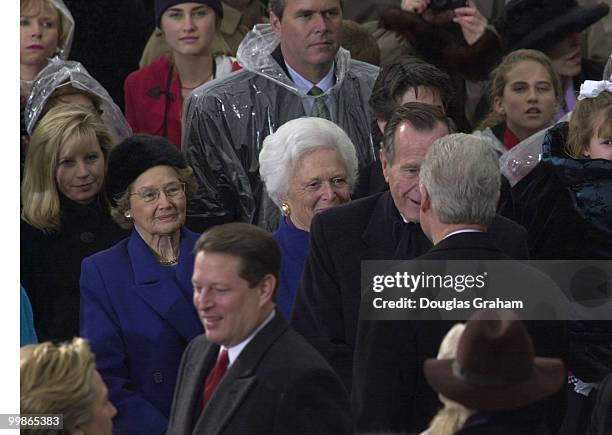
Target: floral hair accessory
column 592, row 88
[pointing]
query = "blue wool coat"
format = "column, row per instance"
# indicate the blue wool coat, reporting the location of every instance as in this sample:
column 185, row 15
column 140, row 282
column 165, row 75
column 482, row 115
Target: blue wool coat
column 138, row 317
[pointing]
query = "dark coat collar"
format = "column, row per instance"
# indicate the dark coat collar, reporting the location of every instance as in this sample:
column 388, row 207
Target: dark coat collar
column 471, row 240
column 387, row 234
column 572, row 171
column 277, row 55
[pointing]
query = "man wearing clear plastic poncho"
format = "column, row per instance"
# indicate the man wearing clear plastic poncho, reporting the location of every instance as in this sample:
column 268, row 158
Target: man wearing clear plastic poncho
column 227, row 120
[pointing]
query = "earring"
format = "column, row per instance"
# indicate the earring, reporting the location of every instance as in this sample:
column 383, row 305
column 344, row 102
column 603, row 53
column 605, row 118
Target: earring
column 127, row 214
column 285, row 209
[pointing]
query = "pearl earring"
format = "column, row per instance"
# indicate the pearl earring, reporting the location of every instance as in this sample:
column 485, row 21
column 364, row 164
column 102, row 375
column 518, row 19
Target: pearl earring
column 127, row 214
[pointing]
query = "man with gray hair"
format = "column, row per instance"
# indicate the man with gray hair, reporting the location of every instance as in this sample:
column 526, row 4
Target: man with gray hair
column 384, row 226
column 459, row 188
column 459, row 183
column 292, row 67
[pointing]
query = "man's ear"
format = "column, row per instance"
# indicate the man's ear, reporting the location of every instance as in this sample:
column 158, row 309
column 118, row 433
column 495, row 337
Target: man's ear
column 266, row 288
column 275, row 22
column 386, row 167
column 425, row 199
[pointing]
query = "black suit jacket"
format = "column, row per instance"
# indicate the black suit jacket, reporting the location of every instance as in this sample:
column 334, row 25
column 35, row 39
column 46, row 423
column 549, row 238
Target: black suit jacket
column 390, row 392
column 327, row 303
column 601, row 420
column 278, row 384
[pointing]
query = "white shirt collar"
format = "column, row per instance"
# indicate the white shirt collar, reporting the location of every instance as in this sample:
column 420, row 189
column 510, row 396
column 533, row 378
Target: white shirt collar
column 466, row 230
column 305, row 85
column 234, row 351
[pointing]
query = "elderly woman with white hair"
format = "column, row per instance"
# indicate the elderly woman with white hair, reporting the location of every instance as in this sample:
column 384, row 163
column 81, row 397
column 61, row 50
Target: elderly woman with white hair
column 308, row 166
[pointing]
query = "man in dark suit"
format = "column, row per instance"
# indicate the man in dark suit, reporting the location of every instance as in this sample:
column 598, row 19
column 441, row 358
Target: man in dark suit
column 383, row 226
column 250, row 373
column 459, row 191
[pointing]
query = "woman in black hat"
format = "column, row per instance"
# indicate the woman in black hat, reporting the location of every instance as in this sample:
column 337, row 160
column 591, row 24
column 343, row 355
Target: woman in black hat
column 154, row 94
column 136, row 309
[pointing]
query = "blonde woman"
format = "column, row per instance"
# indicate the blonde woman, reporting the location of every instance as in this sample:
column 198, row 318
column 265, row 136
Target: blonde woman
column 62, row 379
column 46, row 28
column 64, row 216
column 452, row 416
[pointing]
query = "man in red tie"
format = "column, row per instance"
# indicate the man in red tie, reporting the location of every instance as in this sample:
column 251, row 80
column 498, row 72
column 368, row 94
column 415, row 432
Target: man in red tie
column 250, row 373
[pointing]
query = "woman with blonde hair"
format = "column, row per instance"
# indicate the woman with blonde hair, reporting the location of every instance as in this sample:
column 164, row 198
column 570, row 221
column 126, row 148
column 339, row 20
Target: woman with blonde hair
column 452, row 416
column 154, row 94
column 62, row 379
column 525, row 95
column 64, row 215
column 46, row 28
column 565, row 202
column 46, row 31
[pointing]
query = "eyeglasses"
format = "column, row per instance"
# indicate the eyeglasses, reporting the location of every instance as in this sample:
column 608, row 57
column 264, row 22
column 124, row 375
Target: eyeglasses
column 151, row 194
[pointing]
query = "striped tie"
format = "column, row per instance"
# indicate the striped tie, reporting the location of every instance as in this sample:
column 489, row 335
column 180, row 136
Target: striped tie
column 319, row 109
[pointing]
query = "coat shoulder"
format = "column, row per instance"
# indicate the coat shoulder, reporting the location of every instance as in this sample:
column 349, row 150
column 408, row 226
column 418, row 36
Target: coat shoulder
column 110, row 256
column 347, row 218
column 156, row 71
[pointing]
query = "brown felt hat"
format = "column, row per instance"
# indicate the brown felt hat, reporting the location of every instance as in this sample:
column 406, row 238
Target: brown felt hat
column 495, row 367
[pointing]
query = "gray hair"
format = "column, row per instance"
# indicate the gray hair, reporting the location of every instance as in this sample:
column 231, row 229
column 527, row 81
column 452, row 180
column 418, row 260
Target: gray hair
column 282, row 150
column 461, row 173
column 185, row 175
column 422, row 117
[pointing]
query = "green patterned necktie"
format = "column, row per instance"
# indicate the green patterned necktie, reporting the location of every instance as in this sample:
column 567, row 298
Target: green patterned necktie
column 319, row 109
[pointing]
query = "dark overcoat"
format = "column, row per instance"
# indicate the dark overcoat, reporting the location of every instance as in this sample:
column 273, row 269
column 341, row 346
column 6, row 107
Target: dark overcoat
column 278, row 384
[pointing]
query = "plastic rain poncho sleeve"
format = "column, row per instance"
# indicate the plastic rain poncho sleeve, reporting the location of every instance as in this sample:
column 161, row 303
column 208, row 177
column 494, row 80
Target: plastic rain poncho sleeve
column 227, row 120
column 59, row 73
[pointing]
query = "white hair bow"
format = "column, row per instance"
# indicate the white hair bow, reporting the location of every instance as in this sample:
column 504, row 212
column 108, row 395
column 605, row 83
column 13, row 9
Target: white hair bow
column 592, row 88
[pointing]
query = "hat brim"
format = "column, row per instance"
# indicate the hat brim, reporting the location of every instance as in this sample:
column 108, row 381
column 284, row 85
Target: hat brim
column 575, row 19
column 547, row 378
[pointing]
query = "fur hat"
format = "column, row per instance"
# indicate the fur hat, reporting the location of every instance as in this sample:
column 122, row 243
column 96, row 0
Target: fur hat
column 135, row 155
column 162, row 5
column 540, row 24
column 495, row 367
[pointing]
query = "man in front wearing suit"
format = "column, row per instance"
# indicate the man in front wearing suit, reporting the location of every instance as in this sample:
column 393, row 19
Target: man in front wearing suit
column 383, row 226
column 459, row 190
column 250, row 373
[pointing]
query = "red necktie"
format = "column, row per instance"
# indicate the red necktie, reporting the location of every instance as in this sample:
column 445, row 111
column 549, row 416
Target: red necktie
column 215, row 376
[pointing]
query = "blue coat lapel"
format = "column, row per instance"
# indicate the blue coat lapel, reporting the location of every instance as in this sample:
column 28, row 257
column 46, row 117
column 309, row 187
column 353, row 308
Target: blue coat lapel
column 166, row 292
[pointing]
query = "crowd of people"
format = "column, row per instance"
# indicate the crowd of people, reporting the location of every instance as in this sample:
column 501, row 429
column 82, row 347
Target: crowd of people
column 192, row 248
